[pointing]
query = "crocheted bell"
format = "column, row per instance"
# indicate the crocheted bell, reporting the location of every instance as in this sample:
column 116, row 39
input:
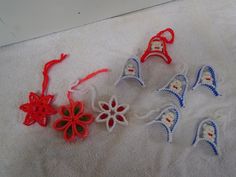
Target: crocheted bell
column 157, row 46
column 206, row 77
column 39, row 107
column 74, row 121
column 169, row 118
column 177, row 87
column 207, row 131
column 131, row 70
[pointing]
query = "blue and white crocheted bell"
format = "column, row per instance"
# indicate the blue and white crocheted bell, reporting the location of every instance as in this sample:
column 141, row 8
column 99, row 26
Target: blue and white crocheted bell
column 177, row 87
column 206, row 77
column 169, row 118
column 207, row 131
column 132, row 70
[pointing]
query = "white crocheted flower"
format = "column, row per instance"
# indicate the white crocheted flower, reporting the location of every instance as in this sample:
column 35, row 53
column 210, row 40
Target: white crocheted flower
column 209, row 132
column 112, row 113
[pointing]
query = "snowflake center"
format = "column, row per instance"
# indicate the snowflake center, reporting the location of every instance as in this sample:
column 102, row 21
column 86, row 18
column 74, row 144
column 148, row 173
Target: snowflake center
column 112, row 112
column 73, row 118
column 38, row 108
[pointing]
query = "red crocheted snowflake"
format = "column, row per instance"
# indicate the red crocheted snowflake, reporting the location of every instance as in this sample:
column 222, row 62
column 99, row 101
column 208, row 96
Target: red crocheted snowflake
column 38, row 109
column 74, row 122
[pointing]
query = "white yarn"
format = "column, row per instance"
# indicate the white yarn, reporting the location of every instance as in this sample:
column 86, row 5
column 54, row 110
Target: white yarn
column 147, row 115
column 183, row 68
column 93, row 98
column 84, row 91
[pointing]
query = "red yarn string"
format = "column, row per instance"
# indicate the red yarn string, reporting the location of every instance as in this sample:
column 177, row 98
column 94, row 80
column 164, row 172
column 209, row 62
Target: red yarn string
column 89, row 76
column 171, row 40
column 46, row 69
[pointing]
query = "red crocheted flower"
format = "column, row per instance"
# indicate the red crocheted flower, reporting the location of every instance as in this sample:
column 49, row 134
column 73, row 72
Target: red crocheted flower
column 38, row 109
column 74, row 122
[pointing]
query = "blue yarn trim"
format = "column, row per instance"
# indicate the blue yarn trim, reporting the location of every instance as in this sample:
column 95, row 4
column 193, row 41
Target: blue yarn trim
column 132, row 77
column 213, row 147
column 167, row 130
column 212, row 71
column 212, row 89
column 177, row 118
column 197, row 79
column 179, row 98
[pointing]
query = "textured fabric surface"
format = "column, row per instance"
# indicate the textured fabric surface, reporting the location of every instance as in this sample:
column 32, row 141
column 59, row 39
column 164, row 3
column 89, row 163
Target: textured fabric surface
column 205, row 34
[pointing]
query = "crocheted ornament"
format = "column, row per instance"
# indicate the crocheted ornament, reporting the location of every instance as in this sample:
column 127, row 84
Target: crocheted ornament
column 207, row 131
column 132, row 70
column 177, row 87
column 39, row 108
column 169, row 118
column 112, row 113
column 74, row 121
column 157, row 46
column 206, row 77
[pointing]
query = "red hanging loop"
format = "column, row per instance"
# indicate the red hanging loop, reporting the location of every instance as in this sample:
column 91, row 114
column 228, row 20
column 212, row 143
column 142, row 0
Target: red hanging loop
column 46, row 69
column 163, row 32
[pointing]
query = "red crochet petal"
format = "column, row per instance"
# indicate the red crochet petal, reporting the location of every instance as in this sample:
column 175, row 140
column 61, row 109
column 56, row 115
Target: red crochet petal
column 28, row 120
column 113, row 102
column 42, row 120
column 33, row 97
column 86, row 118
column 104, row 106
column 77, row 108
column 69, row 133
column 25, row 107
column 81, row 130
column 49, row 110
column 65, row 111
column 121, row 119
column 122, row 108
column 61, row 124
column 110, row 124
column 102, row 117
column 47, row 99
